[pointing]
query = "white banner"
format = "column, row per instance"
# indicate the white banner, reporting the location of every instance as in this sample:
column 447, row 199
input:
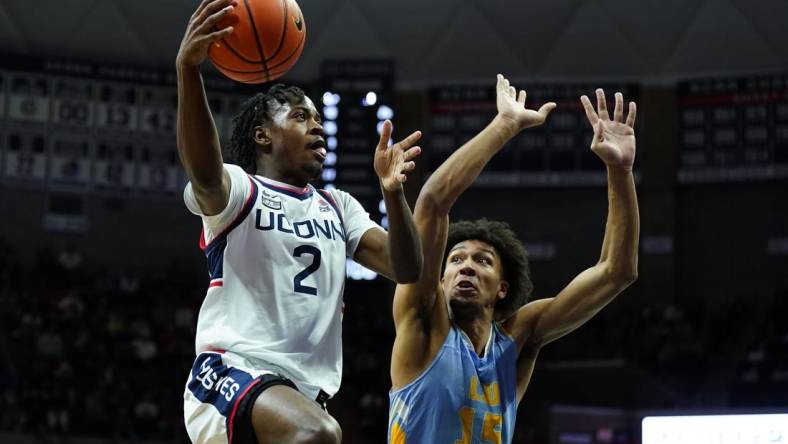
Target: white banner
column 716, row 429
column 26, row 108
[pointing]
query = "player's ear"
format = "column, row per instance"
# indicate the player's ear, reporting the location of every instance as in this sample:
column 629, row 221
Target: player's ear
column 503, row 287
column 262, row 136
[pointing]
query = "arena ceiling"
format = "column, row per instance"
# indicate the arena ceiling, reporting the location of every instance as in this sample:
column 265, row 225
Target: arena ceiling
column 439, row 41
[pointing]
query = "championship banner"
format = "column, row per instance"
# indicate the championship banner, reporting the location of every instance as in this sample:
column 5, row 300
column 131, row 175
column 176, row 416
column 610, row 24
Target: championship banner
column 72, row 103
column 116, row 108
column 28, row 98
column 158, row 110
column 25, row 156
column 159, row 170
column 114, row 166
column 70, row 159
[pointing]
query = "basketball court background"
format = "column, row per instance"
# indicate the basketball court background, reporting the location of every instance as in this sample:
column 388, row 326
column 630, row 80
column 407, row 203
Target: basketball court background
column 101, row 277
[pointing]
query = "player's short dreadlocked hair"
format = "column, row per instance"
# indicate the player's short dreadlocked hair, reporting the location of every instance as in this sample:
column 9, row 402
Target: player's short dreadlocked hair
column 256, row 111
column 513, row 258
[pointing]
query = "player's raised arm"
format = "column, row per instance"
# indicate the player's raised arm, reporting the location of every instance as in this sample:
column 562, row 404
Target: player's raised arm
column 417, row 315
column 396, row 254
column 197, row 138
column 545, row 320
column 457, row 173
column 461, row 169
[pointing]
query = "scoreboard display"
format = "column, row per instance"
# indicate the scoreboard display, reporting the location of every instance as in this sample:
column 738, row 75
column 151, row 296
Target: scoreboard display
column 80, row 127
column 554, row 154
column 733, row 129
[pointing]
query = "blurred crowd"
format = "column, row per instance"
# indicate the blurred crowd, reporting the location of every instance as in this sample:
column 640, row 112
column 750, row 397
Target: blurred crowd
column 92, row 352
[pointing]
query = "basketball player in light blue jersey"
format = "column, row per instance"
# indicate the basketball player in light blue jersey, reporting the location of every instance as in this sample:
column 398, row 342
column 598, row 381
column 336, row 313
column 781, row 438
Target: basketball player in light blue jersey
column 466, row 345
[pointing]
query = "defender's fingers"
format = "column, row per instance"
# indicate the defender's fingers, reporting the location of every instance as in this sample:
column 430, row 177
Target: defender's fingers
column 618, row 111
column 412, row 153
column 589, row 108
column 408, row 166
column 506, row 85
column 402, row 178
column 521, row 97
column 601, row 104
column 547, row 108
column 633, row 111
column 410, row 140
column 499, row 83
column 599, row 132
column 385, row 135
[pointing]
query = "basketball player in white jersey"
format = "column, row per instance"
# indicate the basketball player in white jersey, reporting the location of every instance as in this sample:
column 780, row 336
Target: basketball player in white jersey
column 268, row 341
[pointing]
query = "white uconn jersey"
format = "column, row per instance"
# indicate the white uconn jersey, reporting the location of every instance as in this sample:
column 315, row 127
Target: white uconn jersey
column 276, row 258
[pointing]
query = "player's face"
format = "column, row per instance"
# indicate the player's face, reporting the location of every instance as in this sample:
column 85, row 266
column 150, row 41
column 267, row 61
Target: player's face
column 473, row 278
column 297, row 141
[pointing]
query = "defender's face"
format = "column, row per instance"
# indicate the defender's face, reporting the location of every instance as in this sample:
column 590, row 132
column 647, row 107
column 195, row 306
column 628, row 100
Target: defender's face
column 473, row 278
column 297, row 140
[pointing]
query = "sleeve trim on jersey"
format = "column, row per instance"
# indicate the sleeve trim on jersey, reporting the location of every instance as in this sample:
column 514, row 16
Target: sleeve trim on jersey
column 245, row 210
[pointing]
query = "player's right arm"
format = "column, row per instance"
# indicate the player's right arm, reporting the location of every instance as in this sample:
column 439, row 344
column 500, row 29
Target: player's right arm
column 420, row 313
column 197, row 138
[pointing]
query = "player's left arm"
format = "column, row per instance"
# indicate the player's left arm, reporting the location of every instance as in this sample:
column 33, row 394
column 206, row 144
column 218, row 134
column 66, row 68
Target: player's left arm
column 545, row 320
column 396, row 254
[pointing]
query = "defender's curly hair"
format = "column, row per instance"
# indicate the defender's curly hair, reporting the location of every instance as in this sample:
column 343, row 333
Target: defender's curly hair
column 256, row 111
column 513, row 258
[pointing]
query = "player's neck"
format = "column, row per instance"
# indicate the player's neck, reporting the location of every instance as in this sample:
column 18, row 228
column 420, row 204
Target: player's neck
column 478, row 331
column 283, row 177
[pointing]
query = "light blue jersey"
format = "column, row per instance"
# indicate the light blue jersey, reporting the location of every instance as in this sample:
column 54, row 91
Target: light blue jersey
column 461, row 398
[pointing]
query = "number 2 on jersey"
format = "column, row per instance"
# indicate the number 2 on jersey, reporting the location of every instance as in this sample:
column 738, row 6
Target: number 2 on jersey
column 315, row 253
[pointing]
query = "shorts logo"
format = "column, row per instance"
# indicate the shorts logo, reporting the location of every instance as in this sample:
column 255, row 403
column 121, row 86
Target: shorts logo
column 210, row 380
column 271, row 201
column 214, row 383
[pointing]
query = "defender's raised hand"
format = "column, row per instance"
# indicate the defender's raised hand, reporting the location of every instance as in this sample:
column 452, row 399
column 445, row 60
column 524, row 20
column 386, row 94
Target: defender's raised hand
column 201, row 31
column 511, row 106
column 393, row 163
column 614, row 140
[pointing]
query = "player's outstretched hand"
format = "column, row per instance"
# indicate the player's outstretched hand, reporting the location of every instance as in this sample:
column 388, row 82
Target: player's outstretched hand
column 201, row 31
column 511, row 106
column 393, row 163
column 614, row 140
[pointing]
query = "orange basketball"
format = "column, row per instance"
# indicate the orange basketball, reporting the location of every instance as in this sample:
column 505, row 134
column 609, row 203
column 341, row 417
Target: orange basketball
column 267, row 39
